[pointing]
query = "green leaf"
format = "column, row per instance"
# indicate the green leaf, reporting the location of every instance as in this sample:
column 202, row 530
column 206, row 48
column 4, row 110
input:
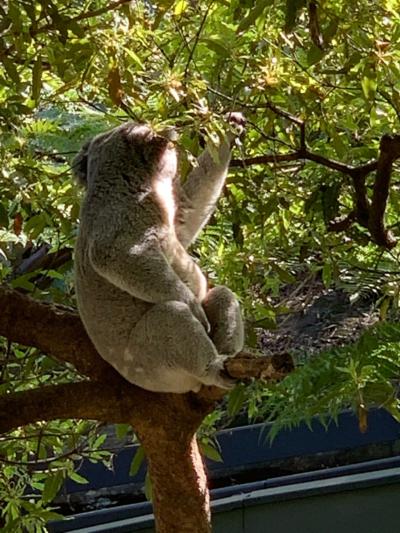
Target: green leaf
column 52, row 485
column 327, row 274
column 270, row 207
column 137, row 461
column 314, row 55
column 394, row 410
column 22, row 282
column 236, row 399
column 163, row 7
column 134, row 56
column 165, row 4
column 121, row 430
column 11, row 70
column 16, row 15
column 99, row 441
column 369, row 84
column 50, row 515
column 148, row 487
column 211, row 452
column 78, row 478
column 331, row 30
column 284, row 275
column 56, row 275
column 253, row 14
column 383, row 308
column 76, row 28
column 339, row 146
column 217, row 46
column 329, row 201
column 35, row 225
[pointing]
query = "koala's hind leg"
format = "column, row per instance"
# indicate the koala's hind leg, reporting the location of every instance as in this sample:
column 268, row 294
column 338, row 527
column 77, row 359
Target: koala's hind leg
column 169, row 351
column 223, row 312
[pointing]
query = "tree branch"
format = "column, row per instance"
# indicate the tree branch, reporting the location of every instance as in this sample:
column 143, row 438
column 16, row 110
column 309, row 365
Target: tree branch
column 342, row 223
column 306, row 154
column 59, row 332
column 54, row 329
column 71, row 400
column 113, row 401
column 368, row 214
column 389, row 152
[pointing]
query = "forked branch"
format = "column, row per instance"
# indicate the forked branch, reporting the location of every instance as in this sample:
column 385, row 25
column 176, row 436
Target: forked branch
column 59, row 332
column 369, row 214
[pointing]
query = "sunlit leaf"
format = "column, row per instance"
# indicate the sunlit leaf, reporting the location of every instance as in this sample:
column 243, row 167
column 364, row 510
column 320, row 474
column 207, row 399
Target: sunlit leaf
column 210, row 452
column 180, row 7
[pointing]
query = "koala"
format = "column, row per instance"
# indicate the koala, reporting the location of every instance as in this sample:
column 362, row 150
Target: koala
column 144, row 301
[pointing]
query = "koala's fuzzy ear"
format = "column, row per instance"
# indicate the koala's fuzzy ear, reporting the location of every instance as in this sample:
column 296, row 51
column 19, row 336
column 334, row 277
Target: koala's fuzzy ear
column 80, row 165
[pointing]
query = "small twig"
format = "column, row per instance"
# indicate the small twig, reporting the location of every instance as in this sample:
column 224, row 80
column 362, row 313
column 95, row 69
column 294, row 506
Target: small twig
column 263, row 159
column 197, row 38
column 267, row 137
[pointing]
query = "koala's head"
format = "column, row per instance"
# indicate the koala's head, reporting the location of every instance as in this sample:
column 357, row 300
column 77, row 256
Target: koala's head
column 131, row 152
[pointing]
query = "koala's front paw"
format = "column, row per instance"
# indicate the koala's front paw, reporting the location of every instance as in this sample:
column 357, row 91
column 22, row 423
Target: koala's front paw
column 237, row 123
column 224, row 381
column 217, row 376
column 200, row 314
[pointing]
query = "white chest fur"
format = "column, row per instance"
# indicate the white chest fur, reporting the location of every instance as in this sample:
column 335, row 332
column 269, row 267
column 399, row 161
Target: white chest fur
column 163, row 184
column 164, row 190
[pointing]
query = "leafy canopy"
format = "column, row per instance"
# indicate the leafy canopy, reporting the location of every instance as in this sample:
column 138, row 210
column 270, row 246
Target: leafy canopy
column 326, row 75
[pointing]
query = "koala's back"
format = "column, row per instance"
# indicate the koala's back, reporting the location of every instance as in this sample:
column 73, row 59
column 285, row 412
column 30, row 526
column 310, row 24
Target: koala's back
column 108, row 313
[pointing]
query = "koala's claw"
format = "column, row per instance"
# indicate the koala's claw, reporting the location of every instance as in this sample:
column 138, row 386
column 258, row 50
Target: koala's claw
column 236, row 117
column 237, row 123
column 217, row 376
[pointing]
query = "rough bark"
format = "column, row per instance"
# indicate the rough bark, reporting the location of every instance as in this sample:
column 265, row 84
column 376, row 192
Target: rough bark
column 179, row 482
column 181, row 502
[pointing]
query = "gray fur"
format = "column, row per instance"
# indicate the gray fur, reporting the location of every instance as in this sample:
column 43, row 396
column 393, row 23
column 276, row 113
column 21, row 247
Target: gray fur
column 139, row 293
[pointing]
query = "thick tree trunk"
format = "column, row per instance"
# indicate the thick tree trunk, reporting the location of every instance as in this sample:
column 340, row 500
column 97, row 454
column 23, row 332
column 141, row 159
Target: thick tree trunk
column 181, row 500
